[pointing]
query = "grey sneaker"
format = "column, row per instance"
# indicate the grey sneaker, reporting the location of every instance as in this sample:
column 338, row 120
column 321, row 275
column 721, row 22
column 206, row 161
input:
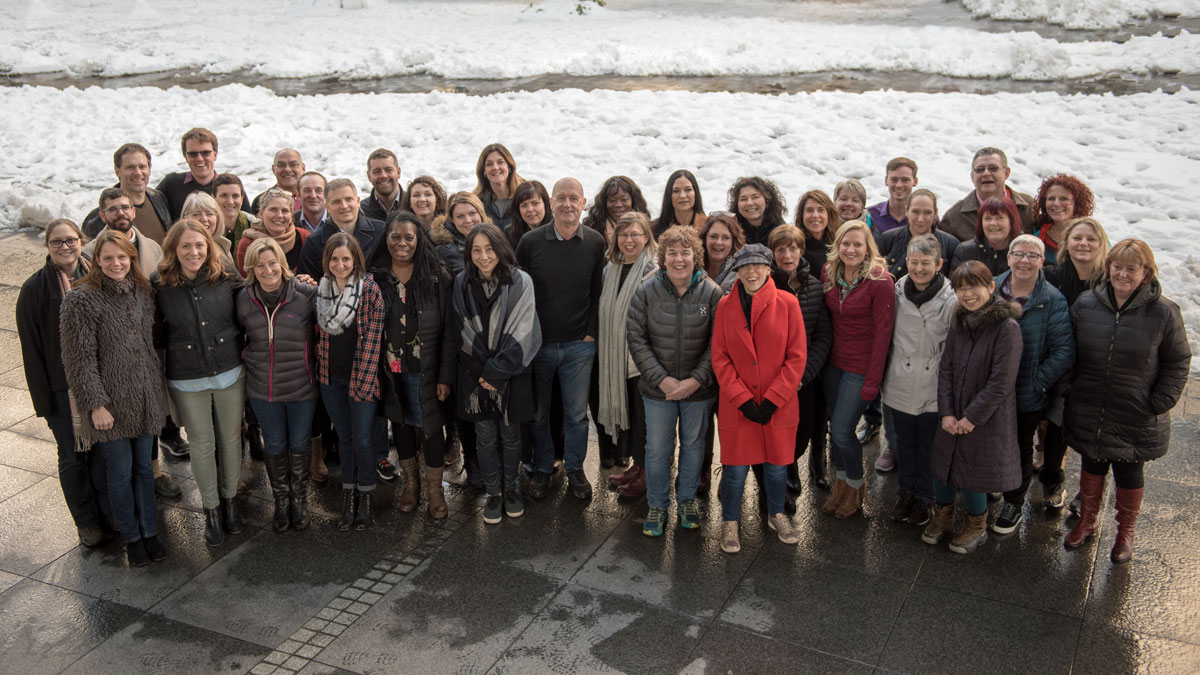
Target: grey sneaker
column 492, row 509
column 514, row 506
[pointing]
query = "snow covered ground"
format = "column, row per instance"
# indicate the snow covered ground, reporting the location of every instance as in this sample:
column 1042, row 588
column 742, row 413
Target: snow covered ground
column 1082, row 13
column 503, row 39
column 1139, row 153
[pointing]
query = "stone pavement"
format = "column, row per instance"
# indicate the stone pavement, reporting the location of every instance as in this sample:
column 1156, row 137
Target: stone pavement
column 574, row 586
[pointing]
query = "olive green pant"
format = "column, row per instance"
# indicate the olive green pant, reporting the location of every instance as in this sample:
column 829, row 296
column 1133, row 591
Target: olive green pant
column 213, row 420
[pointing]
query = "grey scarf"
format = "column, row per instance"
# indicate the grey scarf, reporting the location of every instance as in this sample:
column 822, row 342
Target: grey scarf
column 613, row 344
column 335, row 311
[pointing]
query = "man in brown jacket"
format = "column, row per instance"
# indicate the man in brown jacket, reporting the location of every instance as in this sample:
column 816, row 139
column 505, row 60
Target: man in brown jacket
column 989, row 171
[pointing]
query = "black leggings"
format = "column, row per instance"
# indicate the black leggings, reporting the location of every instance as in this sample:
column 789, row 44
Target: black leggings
column 814, row 419
column 631, row 442
column 1027, row 424
column 407, row 442
column 1127, row 475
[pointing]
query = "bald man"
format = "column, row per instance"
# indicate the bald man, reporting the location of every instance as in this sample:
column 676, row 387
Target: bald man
column 287, row 167
column 566, row 262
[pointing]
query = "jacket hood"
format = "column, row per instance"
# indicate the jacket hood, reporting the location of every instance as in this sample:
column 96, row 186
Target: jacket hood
column 995, row 313
column 1148, row 293
column 442, row 231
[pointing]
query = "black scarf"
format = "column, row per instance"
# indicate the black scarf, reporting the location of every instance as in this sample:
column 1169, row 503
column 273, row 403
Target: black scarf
column 919, row 298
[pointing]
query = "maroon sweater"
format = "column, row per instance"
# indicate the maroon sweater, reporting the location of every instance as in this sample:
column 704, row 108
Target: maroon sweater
column 862, row 329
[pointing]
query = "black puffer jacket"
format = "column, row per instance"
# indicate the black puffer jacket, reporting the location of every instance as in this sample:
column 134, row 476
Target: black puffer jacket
column 450, row 243
column 279, row 344
column 1130, row 369
column 975, row 249
column 670, row 335
column 818, row 326
column 196, row 324
column 436, row 331
column 893, row 246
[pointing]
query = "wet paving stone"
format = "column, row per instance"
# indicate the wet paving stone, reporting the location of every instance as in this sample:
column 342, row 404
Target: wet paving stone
column 43, row 629
column 35, row 528
column 155, row 644
column 586, row 631
column 38, row 454
column 1103, row 649
column 8, row 580
column 724, row 649
column 13, row 480
column 14, row 403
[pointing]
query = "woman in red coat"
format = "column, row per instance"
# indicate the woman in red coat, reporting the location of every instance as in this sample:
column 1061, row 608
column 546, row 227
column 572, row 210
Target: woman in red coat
column 758, row 354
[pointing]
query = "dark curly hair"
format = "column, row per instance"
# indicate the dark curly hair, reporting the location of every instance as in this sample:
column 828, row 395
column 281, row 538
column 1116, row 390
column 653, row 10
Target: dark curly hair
column 1084, row 201
column 597, row 216
column 775, row 210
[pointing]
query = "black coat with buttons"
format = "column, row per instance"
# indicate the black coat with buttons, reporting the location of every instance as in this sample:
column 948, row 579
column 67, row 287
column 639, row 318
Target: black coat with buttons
column 196, row 323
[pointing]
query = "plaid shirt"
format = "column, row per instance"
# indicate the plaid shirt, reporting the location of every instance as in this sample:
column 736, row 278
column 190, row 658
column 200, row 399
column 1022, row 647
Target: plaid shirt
column 364, row 376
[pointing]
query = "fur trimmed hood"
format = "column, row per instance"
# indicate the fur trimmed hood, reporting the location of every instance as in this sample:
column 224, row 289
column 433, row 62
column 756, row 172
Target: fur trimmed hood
column 442, row 231
column 996, row 312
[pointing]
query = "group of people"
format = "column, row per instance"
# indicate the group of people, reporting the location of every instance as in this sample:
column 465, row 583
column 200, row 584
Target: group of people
column 983, row 342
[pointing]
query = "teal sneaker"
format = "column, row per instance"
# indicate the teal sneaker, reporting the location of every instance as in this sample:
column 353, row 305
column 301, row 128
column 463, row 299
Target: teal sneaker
column 653, row 525
column 689, row 515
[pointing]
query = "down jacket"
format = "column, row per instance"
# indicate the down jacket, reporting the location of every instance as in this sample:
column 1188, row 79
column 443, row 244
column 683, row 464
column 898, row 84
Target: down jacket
column 279, row 349
column 670, row 335
column 818, row 326
column 1130, row 371
column 197, row 326
column 1048, row 350
column 108, row 355
column 977, row 378
column 979, row 249
column 893, row 246
column 918, row 340
column 450, row 244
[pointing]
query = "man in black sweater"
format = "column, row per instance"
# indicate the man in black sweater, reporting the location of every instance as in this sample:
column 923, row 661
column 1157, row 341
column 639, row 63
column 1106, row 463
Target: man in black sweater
column 566, row 262
column 200, row 151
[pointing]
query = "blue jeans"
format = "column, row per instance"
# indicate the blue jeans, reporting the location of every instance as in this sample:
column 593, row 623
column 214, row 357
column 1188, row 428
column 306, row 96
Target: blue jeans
column 914, row 451
column 571, row 363
column 845, row 408
column 131, row 485
column 285, row 425
column 661, row 418
column 356, row 429
column 498, row 447
column 733, row 484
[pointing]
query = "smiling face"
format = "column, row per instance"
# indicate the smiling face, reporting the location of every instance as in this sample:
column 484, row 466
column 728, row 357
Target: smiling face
column 631, row 240
column 277, row 216
column 118, row 214
column 681, row 263
column 134, row 172
column 1125, row 277
column 1025, row 261
column 1060, row 204
column 484, row 256
column 114, row 261
column 206, row 218
column 787, row 257
column 343, row 206
column 751, row 205
column 64, row 246
column 402, row 242
column 997, row 228
column 423, row 200
column 384, row 174
column 567, row 202
column 341, row 264
column 988, row 174
column 753, row 276
column 287, row 168
column 974, row 297
column 921, row 214
column 201, row 158
column 533, row 211
column 852, row 250
column 849, row 205
column 900, row 182
column 465, row 217
column 1083, row 244
column 312, row 195
column 815, row 219
column 497, row 171
column 268, row 273
column 618, row 204
column 717, row 243
column 192, row 252
column 229, row 198
column 683, row 196
column 922, row 268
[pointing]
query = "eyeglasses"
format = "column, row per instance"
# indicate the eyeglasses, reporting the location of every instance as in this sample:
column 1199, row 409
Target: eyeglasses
column 59, row 243
column 114, row 210
column 193, row 154
column 1022, row 255
column 631, row 235
column 287, row 165
column 990, row 168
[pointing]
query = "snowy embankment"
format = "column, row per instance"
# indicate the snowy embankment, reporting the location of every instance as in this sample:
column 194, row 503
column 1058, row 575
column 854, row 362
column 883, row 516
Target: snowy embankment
column 1082, row 13
column 1139, row 153
column 502, row 40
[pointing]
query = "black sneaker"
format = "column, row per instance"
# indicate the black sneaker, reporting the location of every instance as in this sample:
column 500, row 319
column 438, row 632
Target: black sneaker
column 136, row 553
column 580, row 487
column 1010, row 516
column 385, row 470
column 492, row 509
column 514, row 506
column 539, row 484
column 177, row 446
column 154, row 549
column 903, row 506
column 1054, row 496
column 919, row 514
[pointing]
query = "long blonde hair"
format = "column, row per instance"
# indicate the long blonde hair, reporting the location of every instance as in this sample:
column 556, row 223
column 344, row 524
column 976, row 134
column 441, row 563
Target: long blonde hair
column 169, row 273
column 874, row 267
column 1101, row 265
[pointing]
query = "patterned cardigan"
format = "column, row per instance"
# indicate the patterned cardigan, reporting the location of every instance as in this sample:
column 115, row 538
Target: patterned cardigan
column 364, row 375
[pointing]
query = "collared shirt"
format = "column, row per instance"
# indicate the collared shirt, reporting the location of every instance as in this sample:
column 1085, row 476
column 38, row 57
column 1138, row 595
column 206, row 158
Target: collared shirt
column 558, row 235
column 882, row 220
column 310, row 226
column 189, row 178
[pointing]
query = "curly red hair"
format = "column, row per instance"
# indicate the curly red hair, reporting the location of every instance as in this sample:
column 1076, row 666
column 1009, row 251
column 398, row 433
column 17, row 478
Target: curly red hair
column 1084, row 201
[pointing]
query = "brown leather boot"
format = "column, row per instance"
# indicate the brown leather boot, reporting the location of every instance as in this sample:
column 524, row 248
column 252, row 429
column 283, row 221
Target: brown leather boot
column 1091, row 491
column 317, row 469
column 411, row 487
column 840, row 490
column 939, row 526
column 433, row 491
column 1129, row 505
column 852, row 501
column 972, row 534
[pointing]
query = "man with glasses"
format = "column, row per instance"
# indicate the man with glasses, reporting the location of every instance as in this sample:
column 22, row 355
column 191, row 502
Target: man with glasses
column 117, row 213
column 989, row 171
column 287, row 167
column 131, row 162
column 200, row 151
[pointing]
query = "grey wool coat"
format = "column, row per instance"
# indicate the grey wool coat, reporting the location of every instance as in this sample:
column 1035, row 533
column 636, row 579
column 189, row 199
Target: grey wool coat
column 109, row 358
column 977, row 379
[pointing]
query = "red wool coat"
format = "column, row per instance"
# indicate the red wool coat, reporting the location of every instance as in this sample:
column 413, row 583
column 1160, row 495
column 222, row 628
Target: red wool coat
column 765, row 362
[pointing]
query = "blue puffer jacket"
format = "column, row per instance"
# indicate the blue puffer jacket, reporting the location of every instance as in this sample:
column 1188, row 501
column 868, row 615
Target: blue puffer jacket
column 1048, row 344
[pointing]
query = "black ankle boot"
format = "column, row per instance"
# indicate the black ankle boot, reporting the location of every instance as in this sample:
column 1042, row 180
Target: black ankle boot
column 793, row 480
column 816, row 468
column 300, row 464
column 214, row 534
column 229, row 517
column 347, row 509
column 277, row 476
column 255, row 441
column 364, row 519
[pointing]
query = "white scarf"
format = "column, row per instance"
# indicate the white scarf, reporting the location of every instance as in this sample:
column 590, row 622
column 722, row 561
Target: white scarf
column 335, row 311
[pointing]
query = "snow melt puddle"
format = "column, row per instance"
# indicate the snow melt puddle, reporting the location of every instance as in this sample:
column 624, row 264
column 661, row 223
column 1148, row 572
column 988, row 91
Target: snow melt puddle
column 1139, row 153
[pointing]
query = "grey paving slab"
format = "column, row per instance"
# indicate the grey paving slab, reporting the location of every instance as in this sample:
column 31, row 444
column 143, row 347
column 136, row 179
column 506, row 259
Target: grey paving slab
column 10, row 353
column 587, row 631
column 277, row 583
column 682, row 570
column 1181, row 463
column 392, row 528
column 8, row 299
column 14, row 480
column 941, row 631
column 728, row 650
column 44, row 629
column 316, row 668
column 14, row 377
column 1103, row 649
column 835, row 609
column 1158, row 592
column 29, row 453
column 156, row 644
column 14, row 406
column 8, row 580
column 104, row 573
column 35, row 528
column 444, row 617
column 541, row 541
column 32, row 427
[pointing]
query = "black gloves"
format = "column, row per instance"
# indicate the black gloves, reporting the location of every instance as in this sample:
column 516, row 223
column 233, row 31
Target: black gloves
column 759, row 413
column 765, row 410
